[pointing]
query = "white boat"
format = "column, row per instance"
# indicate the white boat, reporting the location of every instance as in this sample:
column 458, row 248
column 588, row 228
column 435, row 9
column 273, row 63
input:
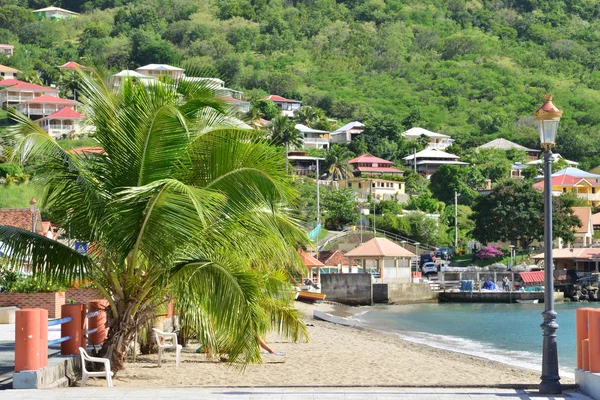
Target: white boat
column 535, row 301
column 323, row 316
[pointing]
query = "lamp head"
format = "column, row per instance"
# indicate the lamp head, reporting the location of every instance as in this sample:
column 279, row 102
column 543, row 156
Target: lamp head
column 33, row 204
column 548, row 116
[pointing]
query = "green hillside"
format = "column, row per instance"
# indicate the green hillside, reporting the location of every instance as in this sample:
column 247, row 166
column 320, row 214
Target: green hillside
column 472, row 69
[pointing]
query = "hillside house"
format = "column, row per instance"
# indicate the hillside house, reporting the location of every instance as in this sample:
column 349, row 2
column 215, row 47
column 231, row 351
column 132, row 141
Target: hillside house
column 241, row 106
column 44, row 105
column 584, row 235
column 303, row 164
column 54, row 13
column 313, row 138
column 13, row 92
column 426, row 162
column 288, row 106
column 346, row 133
column 72, row 65
column 7, row 49
column 517, row 169
column 503, row 144
column 437, row 141
column 572, row 180
column 22, row 218
column 368, row 164
column 158, row 70
column 555, row 158
column 8, row 72
column 379, row 189
column 63, row 123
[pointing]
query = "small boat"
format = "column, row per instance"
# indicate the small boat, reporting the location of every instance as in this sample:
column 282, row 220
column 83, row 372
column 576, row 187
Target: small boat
column 323, row 316
column 535, row 301
column 310, row 296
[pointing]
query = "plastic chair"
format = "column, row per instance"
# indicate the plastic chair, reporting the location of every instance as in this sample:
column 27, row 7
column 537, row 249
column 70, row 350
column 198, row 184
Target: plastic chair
column 161, row 346
column 85, row 373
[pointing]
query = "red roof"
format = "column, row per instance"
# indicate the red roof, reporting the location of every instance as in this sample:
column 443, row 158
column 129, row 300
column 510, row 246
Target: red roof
column 20, row 218
column 335, row 258
column 30, row 86
column 230, row 99
column 66, row 113
column 72, row 65
column 87, row 150
column 274, row 97
column 370, row 159
column 50, row 99
column 309, row 260
column 381, row 170
column 533, row 277
column 567, row 180
column 9, row 82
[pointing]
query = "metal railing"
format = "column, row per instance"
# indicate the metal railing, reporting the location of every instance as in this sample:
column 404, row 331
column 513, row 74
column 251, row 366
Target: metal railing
column 66, row 320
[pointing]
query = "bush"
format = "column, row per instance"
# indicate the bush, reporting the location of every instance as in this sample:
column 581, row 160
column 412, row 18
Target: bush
column 13, row 282
column 487, row 253
column 10, row 169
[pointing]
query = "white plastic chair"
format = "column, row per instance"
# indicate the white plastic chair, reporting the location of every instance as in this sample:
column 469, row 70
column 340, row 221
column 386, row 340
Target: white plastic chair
column 161, row 346
column 85, row 373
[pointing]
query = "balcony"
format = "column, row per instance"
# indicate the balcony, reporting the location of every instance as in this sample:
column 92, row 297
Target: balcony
column 316, row 143
column 584, row 196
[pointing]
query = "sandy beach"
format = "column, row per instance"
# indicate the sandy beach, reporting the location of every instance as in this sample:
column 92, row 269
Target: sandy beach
column 335, row 355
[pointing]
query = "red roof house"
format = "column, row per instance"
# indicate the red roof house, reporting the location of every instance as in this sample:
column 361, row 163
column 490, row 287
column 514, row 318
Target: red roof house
column 369, row 164
column 44, row 105
column 288, row 106
column 14, row 92
column 62, row 122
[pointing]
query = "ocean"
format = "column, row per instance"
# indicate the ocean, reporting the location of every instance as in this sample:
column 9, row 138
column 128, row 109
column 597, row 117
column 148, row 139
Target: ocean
column 509, row 333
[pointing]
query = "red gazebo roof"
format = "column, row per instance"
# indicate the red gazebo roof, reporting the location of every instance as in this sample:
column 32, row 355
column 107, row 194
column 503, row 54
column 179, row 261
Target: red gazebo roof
column 72, row 65
column 66, row 113
column 310, row 261
column 274, row 97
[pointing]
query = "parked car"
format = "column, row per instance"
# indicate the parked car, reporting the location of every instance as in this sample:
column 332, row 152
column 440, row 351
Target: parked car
column 445, row 253
column 429, row 268
column 426, row 257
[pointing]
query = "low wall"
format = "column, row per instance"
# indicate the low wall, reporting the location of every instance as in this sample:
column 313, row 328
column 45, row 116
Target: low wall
column 62, row 371
column 48, row 301
column 350, row 289
column 495, row 297
column 405, row 293
column 380, row 293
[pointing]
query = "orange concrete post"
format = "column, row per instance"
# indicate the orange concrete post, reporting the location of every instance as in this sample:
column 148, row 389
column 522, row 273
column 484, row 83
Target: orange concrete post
column 581, row 323
column 43, row 337
column 75, row 328
column 585, row 355
column 97, row 338
column 594, row 339
column 27, row 340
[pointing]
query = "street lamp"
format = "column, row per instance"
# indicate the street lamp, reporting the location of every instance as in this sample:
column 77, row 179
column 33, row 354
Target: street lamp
column 33, row 208
column 548, row 116
column 512, row 254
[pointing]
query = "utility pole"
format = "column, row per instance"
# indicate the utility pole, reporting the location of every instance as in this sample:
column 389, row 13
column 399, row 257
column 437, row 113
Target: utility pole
column 374, row 212
column 318, row 208
column 455, row 221
column 415, row 159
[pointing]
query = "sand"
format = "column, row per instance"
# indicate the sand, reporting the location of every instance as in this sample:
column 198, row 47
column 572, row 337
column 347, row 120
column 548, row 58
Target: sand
column 335, row 355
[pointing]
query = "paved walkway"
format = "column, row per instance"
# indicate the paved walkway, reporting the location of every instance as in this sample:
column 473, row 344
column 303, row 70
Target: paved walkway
column 280, row 394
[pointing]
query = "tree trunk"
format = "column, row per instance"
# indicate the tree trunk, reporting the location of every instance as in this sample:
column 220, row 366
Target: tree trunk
column 287, row 161
column 120, row 334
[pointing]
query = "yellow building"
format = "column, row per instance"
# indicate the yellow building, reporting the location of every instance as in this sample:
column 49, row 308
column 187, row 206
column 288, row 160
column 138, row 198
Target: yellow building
column 585, row 188
column 381, row 189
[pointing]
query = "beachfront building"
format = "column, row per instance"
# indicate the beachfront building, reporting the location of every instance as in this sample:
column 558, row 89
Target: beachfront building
column 582, row 260
column 426, row 162
column 313, row 138
column 288, row 106
column 7, row 49
column 436, row 140
column 347, row 133
column 63, row 124
column 14, row 91
column 390, row 260
column 8, row 72
column 503, row 144
column 44, row 106
column 158, row 70
column 379, row 189
column 54, row 13
column 336, row 260
column 369, row 165
column 573, row 180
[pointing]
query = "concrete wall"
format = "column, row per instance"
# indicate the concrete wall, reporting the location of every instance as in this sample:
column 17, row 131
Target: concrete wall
column 49, row 301
column 380, row 293
column 404, row 293
column 350, row 289
column 495, row 297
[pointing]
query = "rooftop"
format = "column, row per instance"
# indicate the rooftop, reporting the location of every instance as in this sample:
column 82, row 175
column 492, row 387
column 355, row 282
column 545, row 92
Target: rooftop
column 379, row 248
column 416, row 132
column 55, row 9
column 568, row 180
column 274, row 97
column 309, row 260
column 72, row 65
column 50, row 99
column 306, row 129
column 576, row 172
column 584, row 214
column 160, row 67
column 4, row 68
column 555, row 157
column 132, row 74
column 349, row 126
column 19, row 218
column 370, row 159
column 6, row 46
column 503, row 144
column 16, row 84
column 65, row 113
column 432, row 153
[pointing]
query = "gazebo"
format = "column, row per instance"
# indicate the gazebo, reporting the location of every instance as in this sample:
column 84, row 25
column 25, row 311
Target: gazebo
column 311, row 262
column 380, row 249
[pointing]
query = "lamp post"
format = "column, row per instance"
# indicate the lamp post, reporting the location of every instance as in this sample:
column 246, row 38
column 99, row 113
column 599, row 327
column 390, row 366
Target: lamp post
column 456, row 194
column 548, row 116
column 33, row 208
column 512, row 254
column 418, row 258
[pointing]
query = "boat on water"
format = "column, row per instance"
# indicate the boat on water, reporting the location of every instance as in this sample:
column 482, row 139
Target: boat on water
column 323, row 316
column 534, row 301
column 310, row 296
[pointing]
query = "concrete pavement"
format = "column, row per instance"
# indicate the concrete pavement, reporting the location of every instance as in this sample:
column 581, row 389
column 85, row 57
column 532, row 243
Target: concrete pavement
column 179, row 393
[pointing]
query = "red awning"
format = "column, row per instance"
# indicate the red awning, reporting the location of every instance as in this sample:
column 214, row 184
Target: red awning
column 533, row 277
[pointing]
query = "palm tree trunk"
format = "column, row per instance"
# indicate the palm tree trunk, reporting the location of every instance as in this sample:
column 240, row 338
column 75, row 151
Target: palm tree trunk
column 287, row 161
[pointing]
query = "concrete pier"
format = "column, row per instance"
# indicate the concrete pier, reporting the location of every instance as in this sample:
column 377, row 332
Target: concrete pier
column 494, row 297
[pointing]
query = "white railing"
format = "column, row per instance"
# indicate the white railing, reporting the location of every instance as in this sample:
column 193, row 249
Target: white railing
column 313, row 141
column 61, row 128
column 589, row 196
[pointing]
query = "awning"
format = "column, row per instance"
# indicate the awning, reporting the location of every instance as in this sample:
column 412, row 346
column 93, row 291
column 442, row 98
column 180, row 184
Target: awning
column 533, row 277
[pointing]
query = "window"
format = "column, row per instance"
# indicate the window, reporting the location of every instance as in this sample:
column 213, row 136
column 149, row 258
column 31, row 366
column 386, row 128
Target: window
column 360, row 185
column 349, row 184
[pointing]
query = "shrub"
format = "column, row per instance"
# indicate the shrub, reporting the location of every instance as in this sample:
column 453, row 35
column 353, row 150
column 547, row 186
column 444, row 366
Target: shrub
column 10, row 169
column 488, row 253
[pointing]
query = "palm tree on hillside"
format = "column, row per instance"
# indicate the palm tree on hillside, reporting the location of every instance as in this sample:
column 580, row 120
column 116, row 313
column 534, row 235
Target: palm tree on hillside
column 337, row 159
column 182, row 204
column 284, row 133
column 310, row 116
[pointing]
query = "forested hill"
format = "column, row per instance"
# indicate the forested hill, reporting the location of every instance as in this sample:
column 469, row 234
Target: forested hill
column 473, row 69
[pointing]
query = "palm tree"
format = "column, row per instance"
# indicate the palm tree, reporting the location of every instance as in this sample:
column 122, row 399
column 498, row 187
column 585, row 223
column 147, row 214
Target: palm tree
column 283, row 132
column 310, row 116
column 337, row 160
column 181, row 205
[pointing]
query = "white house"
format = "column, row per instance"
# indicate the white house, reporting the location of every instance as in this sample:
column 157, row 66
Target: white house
column 555, row 158
column 288, row 106
column 45, row 105
column 436, row 140
column 14, row 91
column 314, row 138
column 7, row 49
column 62, row 123
column 54, row 13
column 157, row 70
column 346, row 133
column 8, row 72
column 429, row 160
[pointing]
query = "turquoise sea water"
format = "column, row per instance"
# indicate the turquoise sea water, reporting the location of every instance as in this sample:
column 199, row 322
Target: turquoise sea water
column 509, row 333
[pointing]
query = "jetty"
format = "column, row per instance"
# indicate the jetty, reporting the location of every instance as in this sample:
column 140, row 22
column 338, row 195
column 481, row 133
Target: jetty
column 495, row 297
